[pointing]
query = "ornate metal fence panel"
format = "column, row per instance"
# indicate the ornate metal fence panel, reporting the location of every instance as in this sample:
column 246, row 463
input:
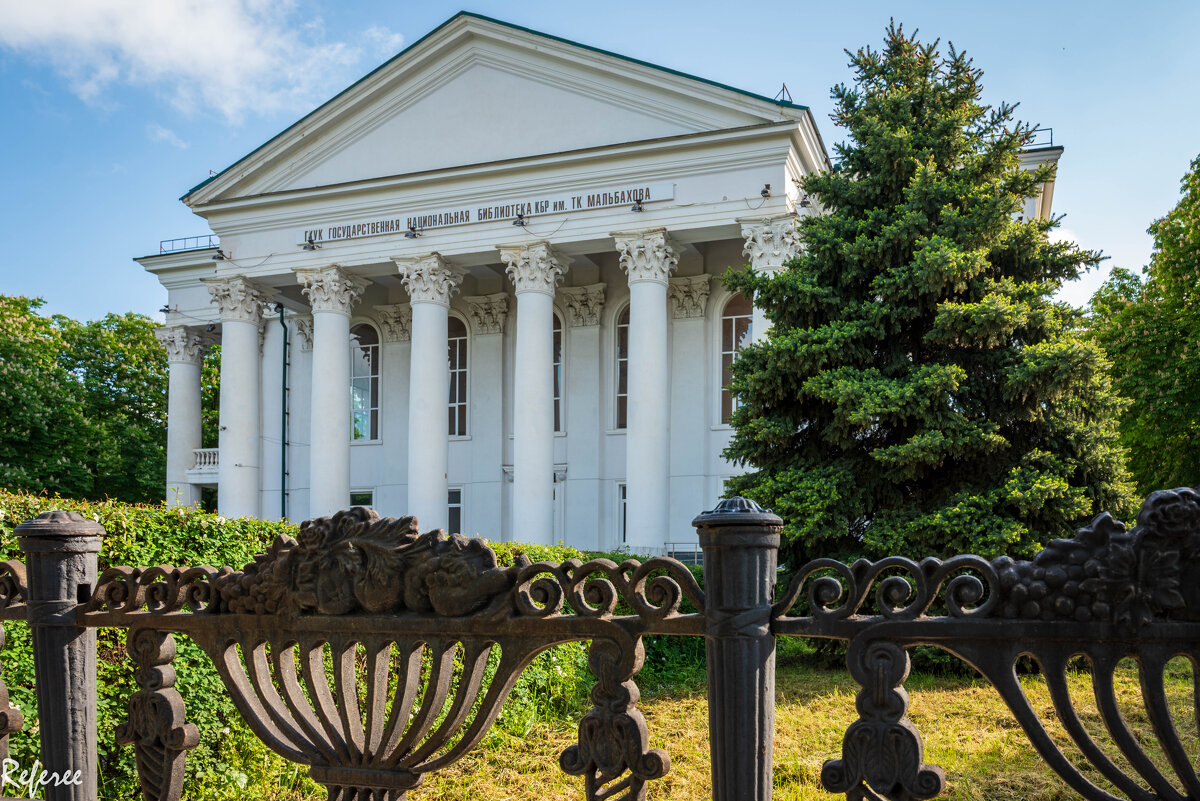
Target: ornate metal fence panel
column 375, row 654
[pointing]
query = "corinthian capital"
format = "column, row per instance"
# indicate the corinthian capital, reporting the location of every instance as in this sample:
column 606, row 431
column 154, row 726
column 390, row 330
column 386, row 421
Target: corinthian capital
column 488, row 312
column 646, row 255
column 331, row 289
column 584, row 303
column 396, row 321
column 689, row 294
column 533, row 268
column 304, row 330
column 181, row 345
column 238, row 298
column 771, row 241
column 429, row 279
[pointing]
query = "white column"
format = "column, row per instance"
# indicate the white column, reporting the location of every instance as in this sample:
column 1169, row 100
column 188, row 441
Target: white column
column 240, row 302
column 648, row 260
column 535, row 271
column 391, row 494
column 689, row 405
column 584, row 432
column 299, row 418
column 185, row 353
column 430, row 282
column 332, row 294
column 485, row 510
column 770, row 242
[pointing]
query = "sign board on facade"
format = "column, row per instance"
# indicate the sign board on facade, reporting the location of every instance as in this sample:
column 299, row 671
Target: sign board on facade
column 487, row 211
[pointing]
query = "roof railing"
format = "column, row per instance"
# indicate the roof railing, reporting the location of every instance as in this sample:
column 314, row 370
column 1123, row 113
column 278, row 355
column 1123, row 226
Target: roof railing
column 1041, row 137
column 188, row 243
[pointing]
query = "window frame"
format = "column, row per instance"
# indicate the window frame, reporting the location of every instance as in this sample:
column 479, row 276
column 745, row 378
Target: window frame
column 617, row 360
column 376, row 387
column 722, row 388
column 558, row 345
column 461, row 505
column 465, row 401
column 622, row 515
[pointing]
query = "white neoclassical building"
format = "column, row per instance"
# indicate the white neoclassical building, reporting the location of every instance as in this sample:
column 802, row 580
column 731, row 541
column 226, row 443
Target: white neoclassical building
column 481, row 285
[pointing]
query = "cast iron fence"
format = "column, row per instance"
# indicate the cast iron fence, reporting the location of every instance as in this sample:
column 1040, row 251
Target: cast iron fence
column 363, row 606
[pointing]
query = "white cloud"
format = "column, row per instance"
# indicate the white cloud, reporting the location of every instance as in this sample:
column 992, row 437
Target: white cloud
column 231, row 56
column 158, row 133
column 384, row 43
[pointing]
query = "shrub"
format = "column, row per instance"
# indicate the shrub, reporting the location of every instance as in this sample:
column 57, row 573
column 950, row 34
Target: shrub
column 230, row 762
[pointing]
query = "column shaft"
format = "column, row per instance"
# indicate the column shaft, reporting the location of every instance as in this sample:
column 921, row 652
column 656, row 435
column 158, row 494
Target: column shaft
column 240, row 435
column 648, row 260
column 332, row 294
column 185, row 353
column 428, row 429
column 533, row 419
column 535, row 270
column 183, row 432
column 647, row 443
column 329, row 431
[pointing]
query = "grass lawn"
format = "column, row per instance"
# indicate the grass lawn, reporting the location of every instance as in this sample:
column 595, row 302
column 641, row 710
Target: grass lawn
column 967, row 730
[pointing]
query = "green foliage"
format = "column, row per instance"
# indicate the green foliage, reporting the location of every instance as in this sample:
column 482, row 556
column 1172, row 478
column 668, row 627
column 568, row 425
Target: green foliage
column 1151, row 329
column 230, row 762
column 145, row 535
column 83, row 405
column 210, row 397
column 42, row 424
column 123, row 372
column 919, row 392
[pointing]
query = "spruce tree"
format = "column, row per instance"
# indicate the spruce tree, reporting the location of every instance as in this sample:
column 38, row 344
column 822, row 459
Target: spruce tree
column 919, row 391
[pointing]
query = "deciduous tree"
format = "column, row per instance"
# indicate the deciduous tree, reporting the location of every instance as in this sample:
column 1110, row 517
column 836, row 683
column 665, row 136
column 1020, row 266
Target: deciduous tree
column 1150, row 326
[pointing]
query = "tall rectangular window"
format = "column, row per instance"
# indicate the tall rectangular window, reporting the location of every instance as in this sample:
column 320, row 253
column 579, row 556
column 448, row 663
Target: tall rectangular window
column 735, row 332
column 454, row 511
column 364, row 383
column 456, row 338
column 622, row 517
column 622, row 369
column 558, row 374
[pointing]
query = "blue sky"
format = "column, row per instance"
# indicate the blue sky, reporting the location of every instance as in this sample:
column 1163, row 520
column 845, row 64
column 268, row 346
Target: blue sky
column 112, row 109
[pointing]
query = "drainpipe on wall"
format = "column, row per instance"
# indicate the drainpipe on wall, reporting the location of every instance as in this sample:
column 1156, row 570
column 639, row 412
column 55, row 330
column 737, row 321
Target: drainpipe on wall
column 283, row 418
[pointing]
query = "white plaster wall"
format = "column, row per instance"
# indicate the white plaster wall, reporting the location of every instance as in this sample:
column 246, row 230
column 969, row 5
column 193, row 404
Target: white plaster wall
column 300, row 398
column 391, row 489
column 272, row 411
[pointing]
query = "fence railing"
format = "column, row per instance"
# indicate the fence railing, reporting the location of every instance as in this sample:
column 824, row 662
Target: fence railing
column 201, row 242
column 360, row 648
column 207, row 459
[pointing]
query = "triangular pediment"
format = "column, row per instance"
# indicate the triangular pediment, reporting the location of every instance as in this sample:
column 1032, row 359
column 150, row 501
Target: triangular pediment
column 477, row 91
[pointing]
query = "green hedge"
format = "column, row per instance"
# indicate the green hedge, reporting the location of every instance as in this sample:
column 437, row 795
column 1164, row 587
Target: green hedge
column 230, row 762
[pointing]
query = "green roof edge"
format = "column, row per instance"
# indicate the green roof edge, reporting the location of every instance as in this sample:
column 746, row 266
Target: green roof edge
column 763, row 98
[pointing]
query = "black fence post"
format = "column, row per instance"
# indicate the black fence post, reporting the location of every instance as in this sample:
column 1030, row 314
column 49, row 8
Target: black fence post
column 741, row 551
column 60, row 563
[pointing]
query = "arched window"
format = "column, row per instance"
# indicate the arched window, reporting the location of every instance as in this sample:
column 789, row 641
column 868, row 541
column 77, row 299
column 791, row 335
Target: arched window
column 456, row 337
column 622, row 371
column 364, row 383
column 558, row 373
column 735, row 332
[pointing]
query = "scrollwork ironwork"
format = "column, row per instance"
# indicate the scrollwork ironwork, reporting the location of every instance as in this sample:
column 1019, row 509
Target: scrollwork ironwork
column 613, row 753
column 157, row 727
column 882, row 752
column 652, row 589
column 13, row 584
column 1110, row 575
column 904, row 589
